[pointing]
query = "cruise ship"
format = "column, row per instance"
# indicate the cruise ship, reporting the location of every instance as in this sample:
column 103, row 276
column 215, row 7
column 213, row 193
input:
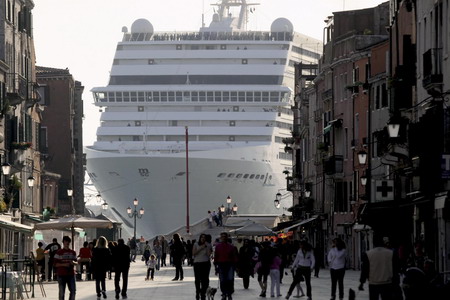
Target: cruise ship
column 219, row 98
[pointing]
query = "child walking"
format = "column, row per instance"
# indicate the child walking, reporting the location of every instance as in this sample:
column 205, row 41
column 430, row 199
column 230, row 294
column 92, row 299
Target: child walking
column 151, row 264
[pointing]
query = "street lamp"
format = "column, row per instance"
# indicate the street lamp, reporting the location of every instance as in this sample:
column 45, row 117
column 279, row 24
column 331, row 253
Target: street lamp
column 222, row 208
column 105, row 206
column 362, row 157
column 6, row 169
column 135, row 214
column 31, row 181
column 228, row 203
column 277, row 200
column 70, row 194
column 235, row 209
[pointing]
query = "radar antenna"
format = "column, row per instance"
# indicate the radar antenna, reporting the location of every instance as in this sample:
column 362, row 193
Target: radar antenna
column 224, row 11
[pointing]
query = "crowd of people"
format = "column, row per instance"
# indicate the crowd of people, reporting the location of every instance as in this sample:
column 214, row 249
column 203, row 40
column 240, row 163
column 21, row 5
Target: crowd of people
column 382, row 267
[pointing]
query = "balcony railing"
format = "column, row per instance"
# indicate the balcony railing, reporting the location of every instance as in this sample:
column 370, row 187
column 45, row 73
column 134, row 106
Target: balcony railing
column 17, row 87
column 432, row 68
column 327, row 95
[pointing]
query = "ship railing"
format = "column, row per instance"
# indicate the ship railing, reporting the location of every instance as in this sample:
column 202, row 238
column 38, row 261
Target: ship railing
column 212, row 36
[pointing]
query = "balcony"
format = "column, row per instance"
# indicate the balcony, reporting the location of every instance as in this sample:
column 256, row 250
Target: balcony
column 17, row 87
column 432, row 69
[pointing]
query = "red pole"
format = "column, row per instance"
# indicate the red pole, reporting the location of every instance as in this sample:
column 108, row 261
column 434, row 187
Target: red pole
column 187, row 181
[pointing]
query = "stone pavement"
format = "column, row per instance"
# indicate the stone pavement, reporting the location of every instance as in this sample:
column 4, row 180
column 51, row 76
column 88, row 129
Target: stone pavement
column 163, row 288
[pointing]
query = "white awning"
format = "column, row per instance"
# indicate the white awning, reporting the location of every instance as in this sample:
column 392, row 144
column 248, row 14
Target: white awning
column 361, row 227
column 302, row 222
column 14, row 226
column 439, row 202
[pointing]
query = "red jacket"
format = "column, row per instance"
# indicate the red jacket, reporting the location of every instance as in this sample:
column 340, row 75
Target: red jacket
column 225, row 253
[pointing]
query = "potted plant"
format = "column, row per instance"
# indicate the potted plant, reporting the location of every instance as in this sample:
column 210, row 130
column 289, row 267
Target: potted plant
column 21, row 145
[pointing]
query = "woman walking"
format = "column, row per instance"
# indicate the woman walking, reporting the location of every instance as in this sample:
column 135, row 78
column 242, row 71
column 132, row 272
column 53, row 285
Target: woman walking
column 101, row 259
column 201, row 252
column 337, row 258
column 304, row 262
column 177, row 253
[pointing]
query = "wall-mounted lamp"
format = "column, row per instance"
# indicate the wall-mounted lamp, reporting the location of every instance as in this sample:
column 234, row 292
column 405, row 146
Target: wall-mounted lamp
column 363, row 179
column 393, row 129
column 362, row 157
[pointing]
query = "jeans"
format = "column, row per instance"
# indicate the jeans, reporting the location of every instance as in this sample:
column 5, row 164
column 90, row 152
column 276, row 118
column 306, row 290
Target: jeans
column 124, row 273
column 383, row 290
column 201, row 274
column 226, row 278
column 275, row 281
column 304, row 272
column 337, row 277
column 163, row 260
column 100, row 280
column 178, row 269
column 68, row 280
column 133, row 255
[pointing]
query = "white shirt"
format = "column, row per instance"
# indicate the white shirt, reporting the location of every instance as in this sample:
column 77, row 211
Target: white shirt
column 337, row 258
column 304, row 260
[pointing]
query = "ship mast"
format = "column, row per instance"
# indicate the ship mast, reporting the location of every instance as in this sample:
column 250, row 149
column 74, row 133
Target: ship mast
column 224, row 11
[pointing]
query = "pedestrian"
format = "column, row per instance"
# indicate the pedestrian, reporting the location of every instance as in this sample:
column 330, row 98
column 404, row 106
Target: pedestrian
column 337, row 258
column 52, row 249
column 245, row 265
column 177, row 252
column 318, row 255
column 304, row 264
column 121, row 263
column 220, row 217
column 40, row 260
column 164, row 250
column 157, row 250
column 189, row 246
column 101, row 259
column 84, row 259
column 201, row 252
column 133, row 249
column 151, row 265
column 210, row 219
column 147, row 250
column 225, row 259
column 64, row 260
column 378, row 266
column 275, row 275
column 262, row 268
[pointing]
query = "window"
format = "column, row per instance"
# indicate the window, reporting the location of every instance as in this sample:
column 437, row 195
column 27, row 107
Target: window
column 231, row 138
column 252, row 176
column 179, row 47
column 221, row 175
column 244, row 61
column 151, row 61
column 140, row 108
column 245, row 176
column 137, row 123
column 239, row 175
column 232, row 123
column 223, row 47
column 231, row 175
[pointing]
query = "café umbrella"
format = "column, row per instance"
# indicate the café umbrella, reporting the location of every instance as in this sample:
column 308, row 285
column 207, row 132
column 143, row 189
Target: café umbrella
column 72, row 221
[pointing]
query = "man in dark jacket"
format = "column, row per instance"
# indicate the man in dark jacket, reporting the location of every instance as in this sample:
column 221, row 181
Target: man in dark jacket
column 52, row 249
column 121, row 264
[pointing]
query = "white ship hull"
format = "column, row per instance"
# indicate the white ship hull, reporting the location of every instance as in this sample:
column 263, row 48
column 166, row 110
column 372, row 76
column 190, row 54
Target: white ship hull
column 162, row 190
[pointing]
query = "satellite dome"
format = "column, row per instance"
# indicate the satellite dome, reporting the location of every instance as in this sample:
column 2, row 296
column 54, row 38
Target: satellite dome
column 142, row 26
column 282, row 25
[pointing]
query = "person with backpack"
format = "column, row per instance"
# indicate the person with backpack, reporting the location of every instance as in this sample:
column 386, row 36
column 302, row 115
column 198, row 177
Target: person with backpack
column 177, row 252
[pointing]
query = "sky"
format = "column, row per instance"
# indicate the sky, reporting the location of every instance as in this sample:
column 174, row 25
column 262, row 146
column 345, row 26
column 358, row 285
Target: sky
column 82, row 35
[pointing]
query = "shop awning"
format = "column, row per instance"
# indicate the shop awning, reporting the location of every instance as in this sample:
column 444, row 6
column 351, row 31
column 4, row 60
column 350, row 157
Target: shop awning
column 14, row 226
column 361, row 227
column 439, row 202
column 327, row 129
column 299, row 223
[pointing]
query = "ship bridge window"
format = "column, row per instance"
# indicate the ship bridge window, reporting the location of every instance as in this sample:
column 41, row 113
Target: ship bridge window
column 233, row 96
column 111, row 97
column 249, row 96
column 221, row 175
column 257, row 177
column 100, row 97
column 241, row 96
column 141, row 96
column 257, row 96
column 156, row 97
column 239, row 175
column 202, row 96
column 252, row 176
column 217, row 96
column 210, row 96
column 126, row 96
column 171, row 96
column 226, row 96
column 231, row 175
column 194, row 96
column 179, row 96
column 118, row 96
column 186, row 96
column 133, row 96
column 274, row 96
column 245, row 176
column 163, row 96
column 265, row 96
